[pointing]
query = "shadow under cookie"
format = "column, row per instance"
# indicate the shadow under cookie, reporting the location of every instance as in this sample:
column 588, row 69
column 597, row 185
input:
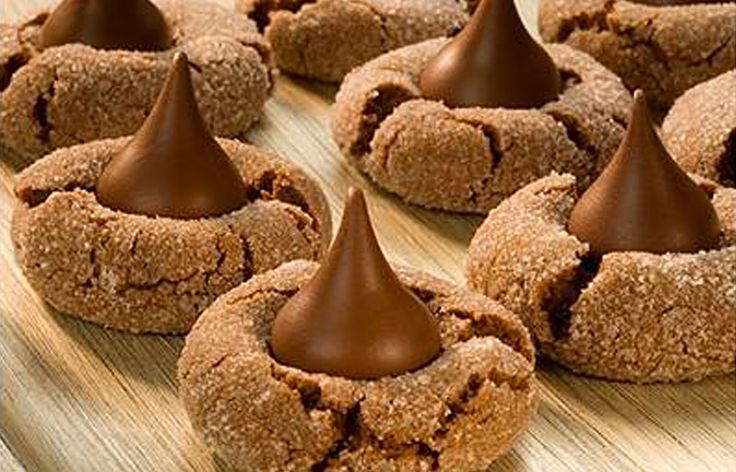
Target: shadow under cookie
column 663, row 50
column 146, row 274
column 470, row 159
column 69, row 94
column 700, row 129
column 325, row 39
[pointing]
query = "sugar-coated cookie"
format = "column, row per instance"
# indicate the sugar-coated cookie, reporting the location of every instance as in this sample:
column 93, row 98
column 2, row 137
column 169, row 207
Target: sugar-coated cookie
column 661, row 48
column 632, row 316
column 700, row 129
column 470, row 159
column 146, row 274
column 325, row 39
column 69, row 94
column 459, row 412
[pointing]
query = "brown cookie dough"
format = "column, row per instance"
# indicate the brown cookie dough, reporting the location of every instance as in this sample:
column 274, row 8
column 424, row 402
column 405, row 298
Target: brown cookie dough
column 143, row 274
column 74, row 93
column 458, row 413
column 469, row 159
column 325, row 39
column 700, row 129
column 663, row 50
column 631, row 316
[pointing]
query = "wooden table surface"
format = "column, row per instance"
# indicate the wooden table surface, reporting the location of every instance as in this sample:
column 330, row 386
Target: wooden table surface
column 80, row 398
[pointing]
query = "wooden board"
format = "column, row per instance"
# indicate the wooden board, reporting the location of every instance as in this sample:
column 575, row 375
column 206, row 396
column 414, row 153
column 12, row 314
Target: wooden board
column 76, row 397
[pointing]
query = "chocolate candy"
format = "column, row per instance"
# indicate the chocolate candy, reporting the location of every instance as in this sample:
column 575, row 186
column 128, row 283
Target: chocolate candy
column 135, row 25
column 354, row 318
column 643, row 201
column 492, row 62
column 173, row 166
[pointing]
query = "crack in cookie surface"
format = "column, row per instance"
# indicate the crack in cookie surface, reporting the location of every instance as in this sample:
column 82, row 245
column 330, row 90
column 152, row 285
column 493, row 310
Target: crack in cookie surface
column 663, row 50
column 104, row 266
column 260, row 10
column 726, row 166
column 360, row 427
column 384, row 126
column 41, row 113
column 308, row 38
column 9, row 67
column 565, row 292
column 106, row 101
column 625, row 316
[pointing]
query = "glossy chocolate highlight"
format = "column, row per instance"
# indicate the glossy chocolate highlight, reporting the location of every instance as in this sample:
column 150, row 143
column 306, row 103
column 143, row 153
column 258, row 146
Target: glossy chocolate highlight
column 643, row 201
column 173, row 166
column 493, row 62
column 354, row 318
column 134, row 25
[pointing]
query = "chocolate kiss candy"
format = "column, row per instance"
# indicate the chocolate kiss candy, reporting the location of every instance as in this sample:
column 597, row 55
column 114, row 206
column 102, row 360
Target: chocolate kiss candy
column 354, row 318
column 135, row 25
column 643, row 201
column 492, row 62
column 172, row 166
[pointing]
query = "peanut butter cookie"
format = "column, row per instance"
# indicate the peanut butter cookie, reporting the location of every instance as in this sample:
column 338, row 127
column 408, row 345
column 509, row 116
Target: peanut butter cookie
column 146, row 274
column 325, row 39
column 700, row 129
column 62, row 95
column 459, row 412
column 662, row 47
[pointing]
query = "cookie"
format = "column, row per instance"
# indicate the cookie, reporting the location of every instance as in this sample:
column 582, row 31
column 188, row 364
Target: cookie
column 70, row 94
column 664, row 50
column 325, row 39
column 700, row 129
column 457, row 413
column 631, row 316
column 470, row 159
column 143, row 274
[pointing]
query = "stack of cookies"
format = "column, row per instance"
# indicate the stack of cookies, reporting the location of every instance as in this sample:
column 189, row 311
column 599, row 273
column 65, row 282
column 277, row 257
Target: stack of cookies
column 609, row 242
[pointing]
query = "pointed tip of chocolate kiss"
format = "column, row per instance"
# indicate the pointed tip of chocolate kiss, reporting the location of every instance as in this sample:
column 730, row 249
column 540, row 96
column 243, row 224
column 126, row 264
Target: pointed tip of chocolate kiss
column 643, row 201
column 640, row 111
column 354, row 318
column 492, row 62
column 173, row 166
column 356, row 206
column 135, row 25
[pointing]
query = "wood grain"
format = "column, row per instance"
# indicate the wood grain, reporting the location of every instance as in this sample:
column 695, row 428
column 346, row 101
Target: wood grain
column 77, row 397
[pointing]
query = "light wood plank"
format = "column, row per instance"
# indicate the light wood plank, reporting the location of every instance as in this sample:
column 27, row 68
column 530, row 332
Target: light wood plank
column 77, row 397
column 8, row 462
